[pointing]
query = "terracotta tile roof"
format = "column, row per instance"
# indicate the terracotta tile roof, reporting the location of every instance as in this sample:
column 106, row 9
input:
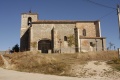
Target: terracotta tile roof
column 84, row 37
column 58, row 21
column 53, row 21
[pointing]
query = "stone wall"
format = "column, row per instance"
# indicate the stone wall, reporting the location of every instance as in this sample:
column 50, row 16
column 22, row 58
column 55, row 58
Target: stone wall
column 98, row 30
column 42, row 31
column 25, row 41
column 99, row 44
column 89, row 26
column 24, row 21
column 25, row 30
column 55, row 30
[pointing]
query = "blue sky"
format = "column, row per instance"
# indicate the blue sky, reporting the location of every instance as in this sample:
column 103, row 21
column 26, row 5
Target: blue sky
column 10, row 16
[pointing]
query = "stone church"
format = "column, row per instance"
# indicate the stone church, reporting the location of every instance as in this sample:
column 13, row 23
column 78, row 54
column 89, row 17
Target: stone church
column 60, row 36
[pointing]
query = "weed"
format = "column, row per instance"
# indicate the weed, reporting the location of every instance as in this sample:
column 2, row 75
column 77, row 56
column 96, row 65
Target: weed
column 97, row 63
column 103, row 55
column 115, row 63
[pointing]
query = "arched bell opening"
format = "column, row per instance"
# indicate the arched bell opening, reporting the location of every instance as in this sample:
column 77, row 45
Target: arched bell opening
column 29, row 21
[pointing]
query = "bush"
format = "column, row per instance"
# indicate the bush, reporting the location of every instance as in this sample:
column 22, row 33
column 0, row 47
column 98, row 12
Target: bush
column 15, row 48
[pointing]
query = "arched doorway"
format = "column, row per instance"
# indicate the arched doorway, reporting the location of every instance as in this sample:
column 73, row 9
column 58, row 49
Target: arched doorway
column 44, row 45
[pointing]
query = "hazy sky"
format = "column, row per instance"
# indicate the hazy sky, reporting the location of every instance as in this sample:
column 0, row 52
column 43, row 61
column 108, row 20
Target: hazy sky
column 10, row 16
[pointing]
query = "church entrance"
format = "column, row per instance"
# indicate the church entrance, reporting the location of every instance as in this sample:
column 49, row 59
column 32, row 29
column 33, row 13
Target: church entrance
column 44, row 45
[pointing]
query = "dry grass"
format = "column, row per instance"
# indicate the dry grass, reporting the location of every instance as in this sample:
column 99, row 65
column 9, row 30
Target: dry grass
column 111, row 57
column 104, row 55
column 33, row 62
column 115, row 63
column 1, row 62
column 58, row 64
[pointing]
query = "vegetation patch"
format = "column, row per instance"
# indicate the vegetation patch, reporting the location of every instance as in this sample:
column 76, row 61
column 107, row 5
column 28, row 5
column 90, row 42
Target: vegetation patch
column 34, row 44
column 1, row 62
column 96, row 56
column 60, row 64
column 115, row 63
column 38, row 63
column 97, row 63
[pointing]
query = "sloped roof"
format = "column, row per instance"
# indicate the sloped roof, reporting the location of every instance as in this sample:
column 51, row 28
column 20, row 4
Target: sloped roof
column 58, row 21
column 85, row 37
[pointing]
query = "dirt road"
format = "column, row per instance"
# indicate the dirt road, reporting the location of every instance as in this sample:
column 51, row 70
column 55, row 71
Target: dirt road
column 15, row 75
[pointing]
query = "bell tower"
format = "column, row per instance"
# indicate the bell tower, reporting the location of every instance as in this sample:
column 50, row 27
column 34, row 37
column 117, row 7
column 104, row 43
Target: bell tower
column 26, row 23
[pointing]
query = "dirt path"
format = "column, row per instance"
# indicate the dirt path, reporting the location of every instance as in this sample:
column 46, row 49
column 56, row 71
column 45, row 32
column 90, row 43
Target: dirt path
column 6, row 64
column 14, row 75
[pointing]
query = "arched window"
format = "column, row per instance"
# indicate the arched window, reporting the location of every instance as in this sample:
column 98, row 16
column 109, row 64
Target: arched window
column 65, row 38
column 29, row 21
column 84, row 32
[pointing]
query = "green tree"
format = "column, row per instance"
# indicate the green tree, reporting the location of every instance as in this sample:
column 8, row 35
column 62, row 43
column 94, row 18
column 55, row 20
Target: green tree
column 16, row 48
column 71, row 41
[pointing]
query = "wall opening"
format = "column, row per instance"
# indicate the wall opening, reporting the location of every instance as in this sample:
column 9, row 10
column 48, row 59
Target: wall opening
column 44, row 46
column 29, row 21
column 84, row 32
column 65, row 38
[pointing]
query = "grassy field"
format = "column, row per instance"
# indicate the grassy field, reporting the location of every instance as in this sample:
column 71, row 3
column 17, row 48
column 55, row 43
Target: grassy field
column 58, row 64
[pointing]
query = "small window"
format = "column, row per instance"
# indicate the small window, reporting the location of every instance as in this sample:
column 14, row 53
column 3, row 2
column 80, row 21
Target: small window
column 91, row 43
column 65, row 38
column 84, row 32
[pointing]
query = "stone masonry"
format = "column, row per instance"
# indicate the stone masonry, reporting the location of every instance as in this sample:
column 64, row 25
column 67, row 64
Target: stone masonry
column 52, row 36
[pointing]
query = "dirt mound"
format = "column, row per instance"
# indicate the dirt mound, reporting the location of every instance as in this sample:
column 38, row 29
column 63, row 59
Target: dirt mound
column 1, row 62
column 39, row 63
column 93, row 69
column 85, row 65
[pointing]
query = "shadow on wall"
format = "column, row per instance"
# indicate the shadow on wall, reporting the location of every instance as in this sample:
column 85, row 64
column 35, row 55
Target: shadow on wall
column 25, row 41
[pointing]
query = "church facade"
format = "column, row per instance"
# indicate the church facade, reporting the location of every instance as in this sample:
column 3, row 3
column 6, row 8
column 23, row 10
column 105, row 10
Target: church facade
column 59, row 36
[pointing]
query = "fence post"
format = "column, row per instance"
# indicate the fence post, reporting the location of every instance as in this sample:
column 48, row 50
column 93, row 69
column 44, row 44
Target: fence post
column 119, row 53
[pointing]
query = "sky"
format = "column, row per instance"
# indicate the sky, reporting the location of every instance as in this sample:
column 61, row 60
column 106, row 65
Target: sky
column 10, row 16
